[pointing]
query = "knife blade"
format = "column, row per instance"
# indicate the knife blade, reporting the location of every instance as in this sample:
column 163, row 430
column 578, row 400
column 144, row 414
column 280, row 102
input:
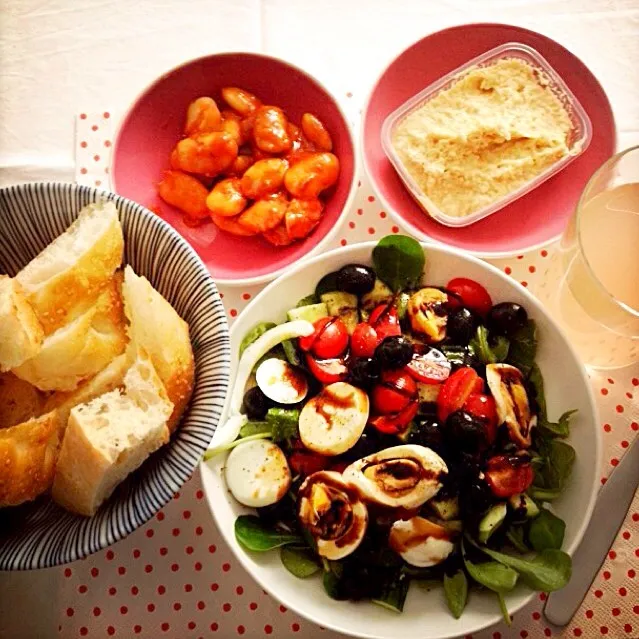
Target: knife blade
column 607, row 516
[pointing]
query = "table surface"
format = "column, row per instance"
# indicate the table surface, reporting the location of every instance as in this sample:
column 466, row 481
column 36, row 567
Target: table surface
column 174, row 577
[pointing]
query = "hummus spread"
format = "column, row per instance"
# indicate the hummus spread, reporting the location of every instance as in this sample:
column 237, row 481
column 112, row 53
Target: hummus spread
column 492, row 131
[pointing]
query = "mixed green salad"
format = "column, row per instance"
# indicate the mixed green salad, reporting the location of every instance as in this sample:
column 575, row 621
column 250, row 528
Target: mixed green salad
column 393, row 431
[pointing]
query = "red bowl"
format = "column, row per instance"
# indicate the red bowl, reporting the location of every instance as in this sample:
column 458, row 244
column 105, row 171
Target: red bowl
column 534, row 219
column 154, row 124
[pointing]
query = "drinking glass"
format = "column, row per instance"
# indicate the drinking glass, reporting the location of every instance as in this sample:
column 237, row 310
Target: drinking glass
column 592, row 286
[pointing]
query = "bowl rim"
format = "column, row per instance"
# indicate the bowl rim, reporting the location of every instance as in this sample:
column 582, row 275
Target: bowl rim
column 82, row 551
column 254, row 307
column 350, row 129
column 416, row 231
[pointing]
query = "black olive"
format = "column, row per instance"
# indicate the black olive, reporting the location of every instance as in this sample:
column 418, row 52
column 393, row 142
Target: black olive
column 255, row 403
column 363, row 372
column 427, row 432
column 356, row 279
column 461, row 325
column 394, row 352
column 506, row 318
column 466, row 432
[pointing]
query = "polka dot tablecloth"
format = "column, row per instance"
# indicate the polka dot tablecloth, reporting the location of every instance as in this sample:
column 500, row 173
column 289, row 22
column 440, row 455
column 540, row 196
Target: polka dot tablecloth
column 175, row 577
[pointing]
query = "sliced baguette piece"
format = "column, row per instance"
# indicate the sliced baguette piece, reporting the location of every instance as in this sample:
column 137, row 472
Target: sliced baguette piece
column 79, row 350
column 110, row 437
column 28, row 455
column 19, row 401
column 70, row 273
column 156, row 327
column 21, row 333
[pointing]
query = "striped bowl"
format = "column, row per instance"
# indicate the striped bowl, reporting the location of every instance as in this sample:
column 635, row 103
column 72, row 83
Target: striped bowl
column 40, row 534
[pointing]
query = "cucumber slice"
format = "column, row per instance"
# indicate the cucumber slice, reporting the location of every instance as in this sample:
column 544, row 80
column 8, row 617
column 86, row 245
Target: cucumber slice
column 344, row 306
column 311, row 313
column 493, row 518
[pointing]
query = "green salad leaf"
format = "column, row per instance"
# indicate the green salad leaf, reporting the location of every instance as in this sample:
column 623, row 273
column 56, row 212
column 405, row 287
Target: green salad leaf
column 552, row 475
column 399, row 262
column 561, row 428
column 456, row 591
column 300, row 561
column 283, row 423
column 252, row 534
column 393, row 594
column 486, row 353
column 523, row 348
column 255, row 428
column 515, row 535
column 546, row 531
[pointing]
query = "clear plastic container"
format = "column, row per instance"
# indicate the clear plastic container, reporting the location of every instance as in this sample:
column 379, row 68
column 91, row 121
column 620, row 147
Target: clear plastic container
column 578, row 141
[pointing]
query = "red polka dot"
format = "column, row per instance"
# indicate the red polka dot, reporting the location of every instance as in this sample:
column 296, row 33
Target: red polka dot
column 175, row 567
column 70, row 612
column 295, row 627
column 122, row 570
column 148, row 568
column 160, row 516
column 83, row 116
column 636, row 552
column 197, row 566
column 134, row 590
column 226, row 567
column 123, row 610
column 165, row 627
column 150, row 607
column 84, row 631
column 191, row 625
column 214, row 627
column 371, row 230
column 598, row 594
column 629, row 395
column 83, row 145
column 607, row 427
column 604, row 391
column 226, row 607
column 606, row 574
column 360, row 211
column 627, row 627
column 239, row 590
column 150, row 532
column 523, row 634
column 531, row 269
column 619, row 408
column 201, row 605
column 635, row 609
column 496, row 635
column 603, row 630
column 604, row 480
column 137, row 629
column 96, row 158
column 94, row 127
column 508, row 270
column 113, row 591
column 233, row 312
column 635, row 381
column 283, row 609
column 634, row 425
column 577, row 632
column 177, row 606
column 524, row 283
column 136, row 554
column 109, row 555
column 371, row 198
column 212, row 548
column 268, row 629
column 622, row 591
column 542, row 596
column 161, row 590
column 107, row 143
column 189, row 550
column 548, row 632
column 616, row 612
column 94, row 572
column 175, row 532
column 97, row 612
column 544, row 253
column 395, row 229
column 382, row 214
column 351, row 225
column 106, row 115
column 624, row 444
column 241, row 630
column 520, row 257
column 82, row 589
column 67, row 572
column 215, row 587
column 253, row 605
column 632, row 574
column 199, row 494
column 589, row 614
column 626, row 535
column 612, row 554
column 164, row 551
column 343, row 242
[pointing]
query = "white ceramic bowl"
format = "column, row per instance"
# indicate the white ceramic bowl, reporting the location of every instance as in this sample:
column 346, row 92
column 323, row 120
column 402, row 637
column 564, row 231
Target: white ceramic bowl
column 425, row 613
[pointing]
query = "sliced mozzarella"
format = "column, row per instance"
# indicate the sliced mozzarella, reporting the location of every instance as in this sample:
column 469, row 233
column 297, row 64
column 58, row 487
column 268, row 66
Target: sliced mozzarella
column 334, row 420
column 420, row 542
column 229, row 430
column 281, row 382
column 333, row 514
column 257, row 473
column 406, row 476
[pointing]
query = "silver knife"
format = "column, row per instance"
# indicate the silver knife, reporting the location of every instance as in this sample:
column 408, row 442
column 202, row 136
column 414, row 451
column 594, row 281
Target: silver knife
column 607, row 516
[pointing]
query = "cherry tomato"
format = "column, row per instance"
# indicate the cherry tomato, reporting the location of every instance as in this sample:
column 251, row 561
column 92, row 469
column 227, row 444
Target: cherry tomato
column 508, row 475
column 327, row 371
column 395, row 422
column 395, row 390
column 364, row 340
column 473, row 295
column 432, row 367
column 484, row 407
column 329, row 339
column 463, row 383
column 305, row 462
column 385, row 321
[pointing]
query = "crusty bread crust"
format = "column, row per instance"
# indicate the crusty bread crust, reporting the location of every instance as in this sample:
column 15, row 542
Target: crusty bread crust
column 28, row 456
column 19, row 401
column 69, row 275
column 156, row 327
column 21, row 333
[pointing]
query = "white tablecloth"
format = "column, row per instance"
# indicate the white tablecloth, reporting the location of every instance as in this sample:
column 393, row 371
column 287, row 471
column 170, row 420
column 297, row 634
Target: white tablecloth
column 59, row 57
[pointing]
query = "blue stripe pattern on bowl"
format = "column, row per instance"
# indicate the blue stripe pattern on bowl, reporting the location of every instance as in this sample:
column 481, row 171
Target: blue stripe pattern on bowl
column 40, row 534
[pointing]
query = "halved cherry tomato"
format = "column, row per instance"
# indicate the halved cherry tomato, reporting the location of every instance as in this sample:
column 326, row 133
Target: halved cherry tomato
column 473, row 295
column 364, row 340
column 394, row 392
column 306, row 462
column 385, row 321
column 431, row 367
column 327, row 371
column 508, row 475
column 395, row 422
column 463, row 383
column 484, row 407
column 329, row 339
